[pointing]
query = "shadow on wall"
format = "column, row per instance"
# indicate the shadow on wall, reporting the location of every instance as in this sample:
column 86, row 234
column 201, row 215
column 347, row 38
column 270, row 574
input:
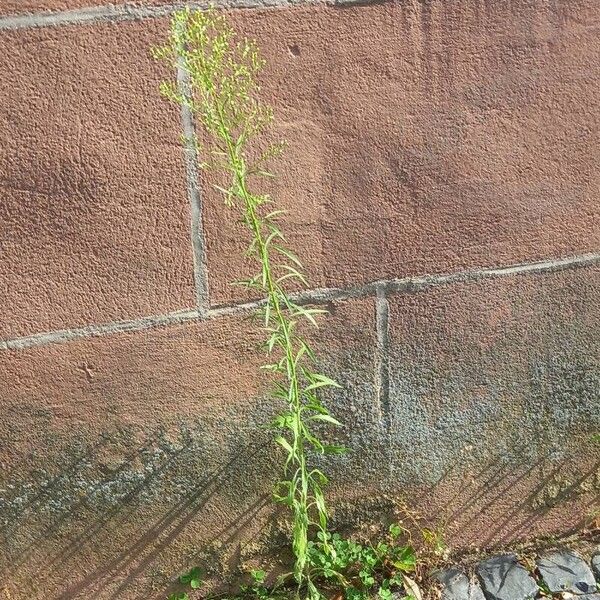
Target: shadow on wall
column 126, row 528
column 519, row 502
column 105, row 532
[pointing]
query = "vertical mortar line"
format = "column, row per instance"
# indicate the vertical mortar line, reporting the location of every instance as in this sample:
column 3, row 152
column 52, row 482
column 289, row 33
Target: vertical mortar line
column 194, row 192
column 382, row 375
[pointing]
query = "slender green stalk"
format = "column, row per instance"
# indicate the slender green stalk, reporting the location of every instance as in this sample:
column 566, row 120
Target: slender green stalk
column 224, row 97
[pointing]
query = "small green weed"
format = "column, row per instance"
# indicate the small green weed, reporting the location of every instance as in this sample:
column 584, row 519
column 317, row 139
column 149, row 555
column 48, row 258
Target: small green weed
column 192, row 577
column 360, row 570
column 346, row 569
column 258, row 589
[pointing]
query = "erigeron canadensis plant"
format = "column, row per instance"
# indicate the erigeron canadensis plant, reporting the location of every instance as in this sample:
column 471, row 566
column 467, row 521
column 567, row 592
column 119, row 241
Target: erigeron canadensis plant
column 223, row 96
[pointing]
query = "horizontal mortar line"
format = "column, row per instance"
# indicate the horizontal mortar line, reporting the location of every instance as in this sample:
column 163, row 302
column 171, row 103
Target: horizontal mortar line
column 541, row 266
column 317, row 296
column 67, row 335
column 422, row 282
column 130, row 12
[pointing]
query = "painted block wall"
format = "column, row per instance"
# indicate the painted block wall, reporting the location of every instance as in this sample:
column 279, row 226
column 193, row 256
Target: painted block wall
column 443, row 190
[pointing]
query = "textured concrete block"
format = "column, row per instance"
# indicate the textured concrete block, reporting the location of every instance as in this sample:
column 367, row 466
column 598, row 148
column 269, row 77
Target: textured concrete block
column 503, row 578
column 422, row 141
column 94, row 219
column 566, row 572
column 483, row 378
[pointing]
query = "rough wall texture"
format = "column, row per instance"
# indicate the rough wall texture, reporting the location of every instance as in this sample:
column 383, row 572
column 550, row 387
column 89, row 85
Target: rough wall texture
column 442, row 186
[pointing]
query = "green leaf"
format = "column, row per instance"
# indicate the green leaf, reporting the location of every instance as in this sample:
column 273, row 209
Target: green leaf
column 315, row 405
column 226, row 192
column 193, row 578
column 285, row 444
column 395, row 530
column 327, row 418
column 313, row 592
column 275, row 213
column 275, row 337
column 385, row 593
column 311, row 439
column 405, row 559
column 275, row 233
column 321, row 381
column 258, row 575
column 322, row 510
column 307, row 313
column 351, row 593
column 247, row 283
column 289, row 490
column 366, row 577
column 283, row 421
column 288, row 255
column 267, row 314
column 292, row 273
column 318, row 475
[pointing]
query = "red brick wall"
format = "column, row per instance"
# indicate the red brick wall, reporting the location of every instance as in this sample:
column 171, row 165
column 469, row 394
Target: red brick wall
column 442, row 187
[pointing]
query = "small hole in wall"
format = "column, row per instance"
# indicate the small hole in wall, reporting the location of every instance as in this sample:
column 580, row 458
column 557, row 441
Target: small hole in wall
column 294, row 49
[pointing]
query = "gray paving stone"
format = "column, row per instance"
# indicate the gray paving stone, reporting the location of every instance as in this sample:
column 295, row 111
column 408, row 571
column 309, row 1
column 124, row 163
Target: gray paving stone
column 457, row 586
column 566, row 571
column 503, row 578
column 589, row 597
column 596, row 565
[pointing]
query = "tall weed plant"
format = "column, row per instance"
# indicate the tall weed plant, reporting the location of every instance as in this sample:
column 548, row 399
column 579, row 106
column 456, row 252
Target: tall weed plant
column 223, row 95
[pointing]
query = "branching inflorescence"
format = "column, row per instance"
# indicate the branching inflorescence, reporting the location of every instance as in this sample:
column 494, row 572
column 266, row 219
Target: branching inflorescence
column 223, row 95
